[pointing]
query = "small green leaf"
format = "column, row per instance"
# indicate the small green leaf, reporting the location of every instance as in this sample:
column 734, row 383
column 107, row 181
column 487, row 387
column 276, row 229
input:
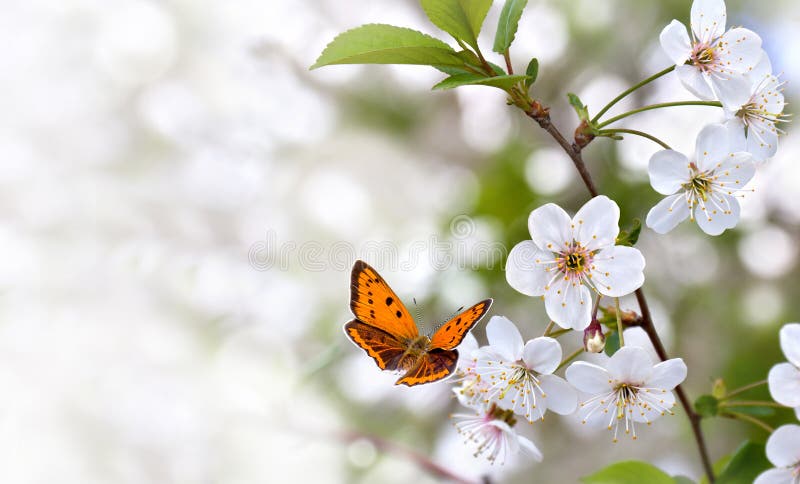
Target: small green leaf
column 575, row 101
column 387, row 44
column 630, row 235
column 719, row 389
column 503, row 82
column 460, row 18
column 629, row 472
column 612, row 342
column 754, row 411
column 745, row 465
column 507, row 25
column 706, row 406
column 532, row 71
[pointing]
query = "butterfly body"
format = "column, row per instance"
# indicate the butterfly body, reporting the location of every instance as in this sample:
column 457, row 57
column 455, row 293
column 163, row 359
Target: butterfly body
column 385, row 330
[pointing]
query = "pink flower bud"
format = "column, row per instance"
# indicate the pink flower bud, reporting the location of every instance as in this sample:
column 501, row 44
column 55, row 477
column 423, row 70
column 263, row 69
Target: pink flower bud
column 593, row 339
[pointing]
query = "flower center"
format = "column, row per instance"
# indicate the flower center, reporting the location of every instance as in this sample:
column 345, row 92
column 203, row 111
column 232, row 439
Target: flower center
column 699, row 184
column 703, row 56
column 497, row 413
column 574, row 261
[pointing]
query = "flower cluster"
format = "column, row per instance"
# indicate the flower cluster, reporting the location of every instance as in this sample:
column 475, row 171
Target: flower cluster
column 784, row 378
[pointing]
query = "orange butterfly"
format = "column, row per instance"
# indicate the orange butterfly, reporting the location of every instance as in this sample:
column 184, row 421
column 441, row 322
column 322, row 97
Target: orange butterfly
column 386, row 331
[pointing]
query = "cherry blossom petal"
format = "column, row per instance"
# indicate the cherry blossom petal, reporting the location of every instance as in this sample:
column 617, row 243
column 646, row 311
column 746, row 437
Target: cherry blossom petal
column 660, row 403
column 735, row 171
column 668, row 374
column 618, row 271
column 675, row 42
column 529, row 448
column 559, row 396
column 733, row 92
column 526, row 270
column 466, row 351
column 762, row 143
column 790, row 343
column 737, row 139
column 569, row 304
column 550, row 227
column 693, row 80
column 668, row 170
column 719, row 213
column 797, row 412
column 504, row 338
column 708, row 19
column 542, row 354
column 784, row 384
column 782, row 446
column 775, row 476
column 668, row 213
column 596, row 224
column 712, row 146
column 630, row 364
column 589, row 378
column 740, row 51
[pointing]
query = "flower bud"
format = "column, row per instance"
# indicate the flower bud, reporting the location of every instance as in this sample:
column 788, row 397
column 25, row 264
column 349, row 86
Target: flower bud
column 594, row 341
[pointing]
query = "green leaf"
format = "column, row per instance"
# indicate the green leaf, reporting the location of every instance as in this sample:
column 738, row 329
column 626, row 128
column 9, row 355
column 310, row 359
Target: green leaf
column 507, row 25
column 682, row 480
column 612, row 342
column 754, row 411
column 630, row 235
column 387, row 44
column 532, row 71
column 629, row 472
column 745, row 465
column 460, row 18
column 706, row 405
column 503, row 82
column 575, row 101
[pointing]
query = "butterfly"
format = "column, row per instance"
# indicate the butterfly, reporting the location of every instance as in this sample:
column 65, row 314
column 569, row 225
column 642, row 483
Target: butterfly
column 384, row 328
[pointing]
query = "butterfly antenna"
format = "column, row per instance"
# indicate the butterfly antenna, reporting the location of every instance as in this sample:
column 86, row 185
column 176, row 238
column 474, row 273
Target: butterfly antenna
column 419, row 311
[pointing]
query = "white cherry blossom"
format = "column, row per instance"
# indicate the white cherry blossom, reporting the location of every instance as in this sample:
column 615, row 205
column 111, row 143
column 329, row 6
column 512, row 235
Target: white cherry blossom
column 491, row 433
column 519, row 376
column 703, row 190
column 783, row 450
column 712, row 63
column 627, row 390
column 569, row 256
column 784, row 378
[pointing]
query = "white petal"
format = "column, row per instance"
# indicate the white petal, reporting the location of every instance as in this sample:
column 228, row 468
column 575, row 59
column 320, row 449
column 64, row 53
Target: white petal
column 775, row 476
column 739, row 51
column 693, row 80
column 559, row 396
column 762, row 143
column 735, row 171
column 661, row 403
column 790, row 342
column 630, row 364
column 708, row 19
column 530, row 449
column 783, row 446
column 668, row 374
column 797, row 412
column 784, row 384
column 589, row 378
column 737, row 141
column 668, row 170
column 719, row 213
column 550, row 227
column 504, row 338
column 675, row 42
column 526, row 270
column 733, row 92
column 761, row 70
column 597, row 223
column 712, row 146
column 618, row 271
column 569, row 304
column 668, row 213
column 542, row 354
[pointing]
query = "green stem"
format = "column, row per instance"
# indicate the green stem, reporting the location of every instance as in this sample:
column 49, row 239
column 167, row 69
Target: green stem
column 715, row 104
column 509, row 67
column 556, row 334
column 630, row 90
column 569, row 358
column 751, row 403
column 744, row 389
column 619, row 323
column 606, row 132
column 747, row 418
column 549, row 328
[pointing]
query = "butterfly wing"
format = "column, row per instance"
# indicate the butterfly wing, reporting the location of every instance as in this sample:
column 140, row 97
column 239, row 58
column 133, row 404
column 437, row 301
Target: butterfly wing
column 373, row 302
column 384, row 348
column 432, row 366
column 451, row 333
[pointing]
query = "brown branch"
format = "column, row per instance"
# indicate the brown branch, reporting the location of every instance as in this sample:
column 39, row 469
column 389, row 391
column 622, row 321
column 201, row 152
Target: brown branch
column 541, row 115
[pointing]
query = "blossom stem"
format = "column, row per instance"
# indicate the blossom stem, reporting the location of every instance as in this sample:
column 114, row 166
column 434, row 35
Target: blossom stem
column 557, row 333
column 747, row 418
column 569, row 358
column 619, row 323
column 509, row 67
column 630, row 90
column 606, row 132
column 751, row 403
column 650, row 107
column 421, row 460
column 548, row 328
column 743, row 389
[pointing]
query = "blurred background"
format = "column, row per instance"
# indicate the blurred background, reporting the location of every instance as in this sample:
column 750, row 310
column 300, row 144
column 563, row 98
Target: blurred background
column 183, row 200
